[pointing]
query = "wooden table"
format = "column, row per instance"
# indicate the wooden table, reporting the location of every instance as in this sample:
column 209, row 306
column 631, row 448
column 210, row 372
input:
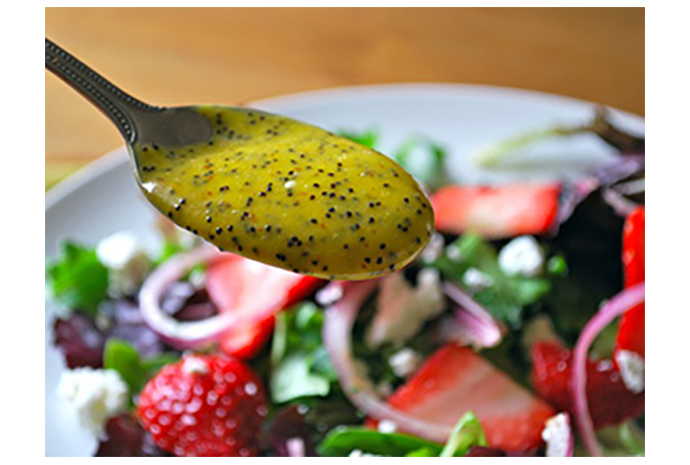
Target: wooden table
column 181, row 56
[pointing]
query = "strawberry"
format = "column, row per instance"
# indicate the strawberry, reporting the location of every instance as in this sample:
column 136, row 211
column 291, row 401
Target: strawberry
column 204, row 405
column 497, row 212
column 244, row 343
column 455, row 380
column 244, row 287
column 631, row 331
column 610, row 402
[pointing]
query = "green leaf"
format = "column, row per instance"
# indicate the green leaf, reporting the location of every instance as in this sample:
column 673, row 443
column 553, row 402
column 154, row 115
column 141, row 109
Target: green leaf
column 423, row 452
column 508, row 295
column 122, row 357
column 343, row 440
column 280, row 337
column 600, row 126
column 169, row 249
column 321, row 364
column 467, row 433
column 557, row 266
column 425, row 160
column 300, row 364
column 77, row 280
column 368, row 138
column 623, row 440
column 496, row 153
column 632, row 439
column 292, row 379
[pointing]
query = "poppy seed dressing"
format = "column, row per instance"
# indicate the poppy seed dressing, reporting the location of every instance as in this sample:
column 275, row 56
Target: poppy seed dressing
column 261, row 174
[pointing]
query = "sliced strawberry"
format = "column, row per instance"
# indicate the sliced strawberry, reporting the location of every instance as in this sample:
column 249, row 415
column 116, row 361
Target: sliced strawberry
column 631, row 331
column 244, row 287
column 497, row 212
column 610, row 402
column 456, row 380
column 246, row 342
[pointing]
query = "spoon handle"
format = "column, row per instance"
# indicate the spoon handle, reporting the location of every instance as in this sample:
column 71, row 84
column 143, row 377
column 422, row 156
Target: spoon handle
column 120, row 107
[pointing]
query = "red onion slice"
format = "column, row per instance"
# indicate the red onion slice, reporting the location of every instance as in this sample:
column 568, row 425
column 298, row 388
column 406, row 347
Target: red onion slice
column 474, row 325
column 337, row 330
column 187, row 335
column 620, row 204
column 613, row 308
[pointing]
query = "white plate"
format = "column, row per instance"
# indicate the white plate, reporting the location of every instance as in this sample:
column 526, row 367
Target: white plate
column 103, row 198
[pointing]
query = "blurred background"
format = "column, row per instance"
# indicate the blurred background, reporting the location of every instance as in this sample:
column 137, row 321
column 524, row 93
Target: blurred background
column 178, row 56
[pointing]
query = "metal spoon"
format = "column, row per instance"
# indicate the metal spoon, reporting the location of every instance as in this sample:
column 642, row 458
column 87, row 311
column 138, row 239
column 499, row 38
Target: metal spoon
column 138, row 122
column 265, row 186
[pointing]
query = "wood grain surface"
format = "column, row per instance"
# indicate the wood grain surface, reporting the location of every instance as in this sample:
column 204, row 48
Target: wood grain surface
column 183, row 56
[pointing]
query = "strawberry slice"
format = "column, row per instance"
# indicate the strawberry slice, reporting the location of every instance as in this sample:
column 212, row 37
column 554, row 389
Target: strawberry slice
column 456, row 380
column 631, row 331
column 610, row 402
column 242, row 286
column 497, row 212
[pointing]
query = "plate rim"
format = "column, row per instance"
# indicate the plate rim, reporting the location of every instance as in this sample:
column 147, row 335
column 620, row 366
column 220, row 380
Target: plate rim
column 115, row 157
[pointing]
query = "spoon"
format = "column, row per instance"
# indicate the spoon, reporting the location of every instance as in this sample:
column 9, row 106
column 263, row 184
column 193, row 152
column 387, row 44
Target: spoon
column 265, row 186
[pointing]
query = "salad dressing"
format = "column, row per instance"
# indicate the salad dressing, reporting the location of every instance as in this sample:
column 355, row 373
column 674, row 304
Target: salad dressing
column 290, row 195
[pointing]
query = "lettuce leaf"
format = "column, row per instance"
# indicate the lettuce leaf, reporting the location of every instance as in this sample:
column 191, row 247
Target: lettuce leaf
column 122, row 357
column 342, row 441
column 507, row 296
column 77, row 280
column 420, row 156
column 300, row 364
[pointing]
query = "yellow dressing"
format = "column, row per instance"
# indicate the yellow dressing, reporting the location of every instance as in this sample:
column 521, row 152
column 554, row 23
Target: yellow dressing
column 290, row 195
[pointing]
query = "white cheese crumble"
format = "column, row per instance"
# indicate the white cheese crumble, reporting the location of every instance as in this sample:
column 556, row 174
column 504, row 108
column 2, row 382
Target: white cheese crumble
column 96, row 394
column 402, row 310
column 453, row 253
column 387, row 426
column 631, row 367
column 557, row 435
column 434, row 250
column 521, row 257
column 404, row 362
column 476, row 280
column 193, row 365
column 126, row 261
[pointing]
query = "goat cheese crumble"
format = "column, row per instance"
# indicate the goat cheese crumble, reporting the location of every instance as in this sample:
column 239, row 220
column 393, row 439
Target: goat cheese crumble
column 476, row 280
column 96, row 394
column 126, row 261
column 521, row 257
column 404, row 362
column 558, row 436
column 631, row 367
column 386, row 426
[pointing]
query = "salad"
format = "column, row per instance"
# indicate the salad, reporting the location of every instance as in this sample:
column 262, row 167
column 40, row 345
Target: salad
column 518, row 331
